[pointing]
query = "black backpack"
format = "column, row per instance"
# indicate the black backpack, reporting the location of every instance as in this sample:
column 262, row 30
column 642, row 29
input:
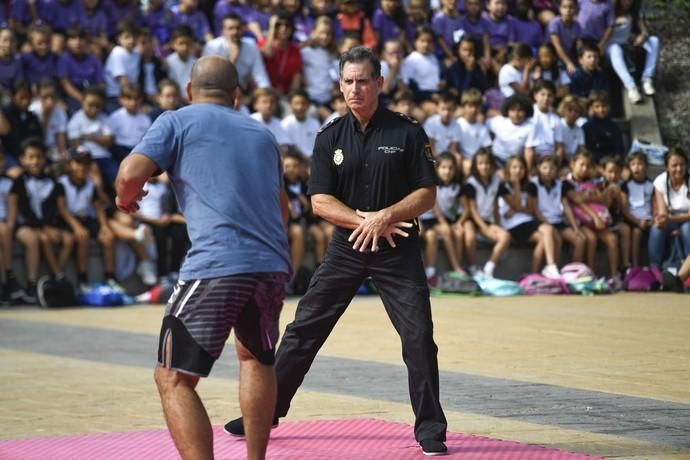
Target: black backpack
column 55, row 292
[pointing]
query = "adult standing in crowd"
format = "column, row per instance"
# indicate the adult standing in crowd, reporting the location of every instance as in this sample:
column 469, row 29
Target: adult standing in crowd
column 372, row 175
column 236, row 269
column 672, row 207
column 242, row 52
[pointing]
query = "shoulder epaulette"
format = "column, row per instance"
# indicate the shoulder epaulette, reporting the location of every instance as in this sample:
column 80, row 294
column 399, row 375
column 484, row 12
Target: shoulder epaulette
column 407, row 118
column 329, row 124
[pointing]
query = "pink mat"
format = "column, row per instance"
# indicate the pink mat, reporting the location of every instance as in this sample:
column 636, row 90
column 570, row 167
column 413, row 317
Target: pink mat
column 356, row 439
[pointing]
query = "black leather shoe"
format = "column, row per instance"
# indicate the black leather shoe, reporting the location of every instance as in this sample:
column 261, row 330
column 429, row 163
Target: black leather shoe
column 236, row 427
column 432, row 447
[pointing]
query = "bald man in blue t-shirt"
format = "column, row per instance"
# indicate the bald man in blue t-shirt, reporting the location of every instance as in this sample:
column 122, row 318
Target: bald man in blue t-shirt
column 225, row 170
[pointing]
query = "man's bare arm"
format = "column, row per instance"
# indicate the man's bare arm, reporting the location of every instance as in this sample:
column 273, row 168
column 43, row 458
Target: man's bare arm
column 134, row 171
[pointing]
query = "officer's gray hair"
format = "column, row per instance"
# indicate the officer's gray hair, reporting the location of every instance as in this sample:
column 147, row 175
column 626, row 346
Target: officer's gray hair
column 361, row 54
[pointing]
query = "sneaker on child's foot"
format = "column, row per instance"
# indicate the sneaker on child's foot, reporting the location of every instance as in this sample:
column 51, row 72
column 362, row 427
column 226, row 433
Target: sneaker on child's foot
column 551, row 271
column 634, row 95
column 432, row 447
column 236, row 427
column 21, row 297
column 474, row 270
column 114, row 285
column 648, row 87
column 147, row 271
column 615, row 283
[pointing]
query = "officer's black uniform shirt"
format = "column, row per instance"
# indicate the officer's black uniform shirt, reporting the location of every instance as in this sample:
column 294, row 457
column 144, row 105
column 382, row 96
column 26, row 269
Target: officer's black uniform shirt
column 374, row 169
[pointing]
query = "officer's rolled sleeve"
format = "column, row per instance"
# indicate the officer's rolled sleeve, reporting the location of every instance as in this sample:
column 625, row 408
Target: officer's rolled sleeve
column 323, row 177
column 420, row 162
column 161, row 141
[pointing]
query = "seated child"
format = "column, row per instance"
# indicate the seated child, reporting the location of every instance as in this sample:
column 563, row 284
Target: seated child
column 517, row 208
column 553, row 208
column 482, row 195
column 590, row 205
column 35, row 212
column 85, row 217
column 638, row 193
column 447, row 219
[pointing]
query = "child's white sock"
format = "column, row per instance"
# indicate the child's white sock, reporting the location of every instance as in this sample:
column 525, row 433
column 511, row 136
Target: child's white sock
column 489, row 268
column 430, row 272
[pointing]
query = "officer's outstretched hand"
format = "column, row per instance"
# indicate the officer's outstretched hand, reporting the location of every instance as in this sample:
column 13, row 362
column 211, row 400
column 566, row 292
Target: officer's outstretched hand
column 374, row 226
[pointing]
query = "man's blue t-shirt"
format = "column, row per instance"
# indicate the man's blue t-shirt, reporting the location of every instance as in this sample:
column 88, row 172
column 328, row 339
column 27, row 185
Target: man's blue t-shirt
column 226, row 173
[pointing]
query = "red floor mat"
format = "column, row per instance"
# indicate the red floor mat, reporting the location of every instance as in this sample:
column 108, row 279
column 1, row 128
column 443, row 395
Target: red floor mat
column 356, row 439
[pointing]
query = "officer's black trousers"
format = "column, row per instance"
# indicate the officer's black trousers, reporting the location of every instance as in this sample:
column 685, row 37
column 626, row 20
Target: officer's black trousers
column 398, row 274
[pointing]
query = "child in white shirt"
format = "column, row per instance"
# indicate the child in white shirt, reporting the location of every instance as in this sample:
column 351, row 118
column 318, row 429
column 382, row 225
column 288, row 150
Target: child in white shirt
column 122, row 65
column 511, row 129
column 474, row 135
column 442, row 129
column 127, row 123
column 264, row 104
column 546, row 138
column 299, row 127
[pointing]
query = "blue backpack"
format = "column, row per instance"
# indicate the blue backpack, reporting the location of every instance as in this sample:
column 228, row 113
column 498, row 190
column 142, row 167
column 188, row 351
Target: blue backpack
column 497, row 287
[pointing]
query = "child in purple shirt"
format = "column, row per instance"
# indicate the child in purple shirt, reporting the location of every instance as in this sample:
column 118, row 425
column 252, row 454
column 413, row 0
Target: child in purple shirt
column 61, row 14
column 11, row 68
column 447, row 23
column 597, row 18
column 417, row 15
column 77, row 69
column 40, row 62
column 161, row 21
column 388, row 21
column 186, row 13
column 564, row 33
column 95, row 21
column 119, row 10
column 225, row 7
column 500, row 31
column 23, row 14
column 477, row 26
column 526, row 30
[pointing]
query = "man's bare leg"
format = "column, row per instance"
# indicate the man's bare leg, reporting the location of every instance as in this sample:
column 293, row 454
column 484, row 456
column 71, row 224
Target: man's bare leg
column 185, row 414
column 258, row 392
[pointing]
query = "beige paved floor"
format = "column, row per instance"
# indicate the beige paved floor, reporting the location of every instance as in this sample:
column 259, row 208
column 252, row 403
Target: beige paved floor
column 632, row 345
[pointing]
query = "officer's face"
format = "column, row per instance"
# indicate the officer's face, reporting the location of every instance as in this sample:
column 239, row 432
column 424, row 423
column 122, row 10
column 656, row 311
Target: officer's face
column 361, row 91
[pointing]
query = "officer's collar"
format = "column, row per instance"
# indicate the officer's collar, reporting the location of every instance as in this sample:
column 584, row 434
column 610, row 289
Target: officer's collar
column 375, row 120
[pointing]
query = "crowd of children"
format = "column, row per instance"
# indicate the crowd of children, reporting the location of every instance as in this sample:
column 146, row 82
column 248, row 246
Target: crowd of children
column 514, row 96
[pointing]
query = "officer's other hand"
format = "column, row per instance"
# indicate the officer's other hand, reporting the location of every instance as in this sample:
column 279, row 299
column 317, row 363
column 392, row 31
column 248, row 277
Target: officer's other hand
column 396, row 228
column 369, row 230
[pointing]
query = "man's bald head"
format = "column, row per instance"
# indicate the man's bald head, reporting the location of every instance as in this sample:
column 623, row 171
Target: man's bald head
column 213, row 77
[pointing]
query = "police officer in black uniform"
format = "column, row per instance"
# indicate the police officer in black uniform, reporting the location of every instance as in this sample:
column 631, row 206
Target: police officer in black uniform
column 372, row 175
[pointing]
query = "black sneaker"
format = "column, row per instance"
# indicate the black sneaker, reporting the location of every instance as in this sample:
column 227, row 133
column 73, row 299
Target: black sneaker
column 432, row 447
column 671, row 283
column 236, row 427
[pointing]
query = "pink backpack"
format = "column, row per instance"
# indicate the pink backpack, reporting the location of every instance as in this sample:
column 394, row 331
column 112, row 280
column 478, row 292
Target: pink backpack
column 536, row 284
column 576, row 270
column 643, row 279
column 598, row 208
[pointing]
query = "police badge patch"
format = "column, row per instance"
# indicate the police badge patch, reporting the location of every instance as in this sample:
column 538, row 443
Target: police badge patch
column 338, row 156
column 428, row 153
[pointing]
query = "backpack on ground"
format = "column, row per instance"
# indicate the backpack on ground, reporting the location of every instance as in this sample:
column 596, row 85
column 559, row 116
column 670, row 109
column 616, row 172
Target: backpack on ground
column 55, row 292
column 457, row 283
column 643, row 279
column 589, row 286
column 101, row 295
column 538, row 284
column 497, row 287
column 576, row 270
